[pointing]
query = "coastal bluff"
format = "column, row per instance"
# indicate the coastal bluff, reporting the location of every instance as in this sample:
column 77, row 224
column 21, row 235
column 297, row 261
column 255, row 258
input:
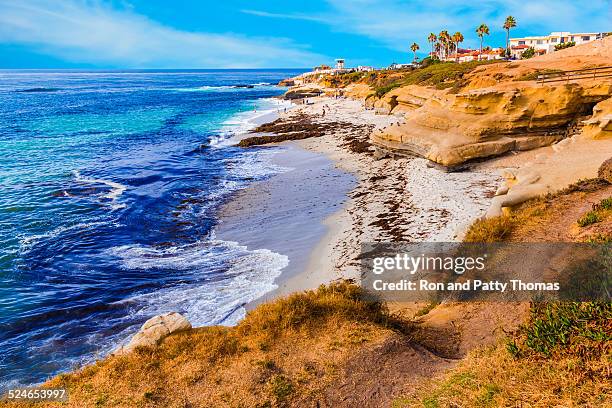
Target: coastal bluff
column 456, row 114
column 501, row 107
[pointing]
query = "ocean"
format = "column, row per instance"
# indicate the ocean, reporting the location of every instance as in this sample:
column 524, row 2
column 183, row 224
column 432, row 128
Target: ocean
column 110, row 183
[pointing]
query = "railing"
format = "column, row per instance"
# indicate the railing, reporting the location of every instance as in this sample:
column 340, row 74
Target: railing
column 575, row 75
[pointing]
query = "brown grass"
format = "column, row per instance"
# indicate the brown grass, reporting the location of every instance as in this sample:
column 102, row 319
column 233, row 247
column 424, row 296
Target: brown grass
column 281, row 352
column 559, row 358
column 536, row 213
column 489, row 230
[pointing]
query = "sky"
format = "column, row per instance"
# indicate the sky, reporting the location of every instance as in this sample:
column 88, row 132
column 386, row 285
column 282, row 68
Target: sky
column 185, row 34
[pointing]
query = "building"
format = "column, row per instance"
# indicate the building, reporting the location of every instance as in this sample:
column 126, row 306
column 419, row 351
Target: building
column 323, row 69
column 545, row 44
column 395, row 65
column 363, row 68
column 467, row 55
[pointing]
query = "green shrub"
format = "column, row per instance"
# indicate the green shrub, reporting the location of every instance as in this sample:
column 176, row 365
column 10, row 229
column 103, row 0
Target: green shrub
column 382, row 91
column 564, row 45
column 442, row 75
column 563, row 328
column 589, row 218
column 605, row 204
column 528, row 53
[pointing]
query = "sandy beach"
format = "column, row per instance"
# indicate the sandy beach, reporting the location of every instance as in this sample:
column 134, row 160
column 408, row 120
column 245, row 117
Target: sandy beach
column 333, row 199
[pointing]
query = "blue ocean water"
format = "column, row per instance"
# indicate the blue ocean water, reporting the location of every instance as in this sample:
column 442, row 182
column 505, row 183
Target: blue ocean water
column 109, row 185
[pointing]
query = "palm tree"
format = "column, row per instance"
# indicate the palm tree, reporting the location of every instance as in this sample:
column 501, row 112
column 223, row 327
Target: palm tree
column 414, row 47
column 482, row 30
column 432, row 39
column 438, row 48
column 457, row 38
column 508, row 24
column 444, row 38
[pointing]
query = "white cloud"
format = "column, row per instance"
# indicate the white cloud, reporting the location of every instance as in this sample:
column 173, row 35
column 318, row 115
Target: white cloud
column 93, row 32
column 396, row 23
column 286, row 16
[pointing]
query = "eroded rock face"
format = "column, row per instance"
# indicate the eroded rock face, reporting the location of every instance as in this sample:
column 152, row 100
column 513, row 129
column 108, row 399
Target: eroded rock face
column 453, row 129
column 154, row 330
column 599, row 126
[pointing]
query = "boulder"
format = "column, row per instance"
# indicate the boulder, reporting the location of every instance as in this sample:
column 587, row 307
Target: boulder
column 605, row 170
column 154, row 330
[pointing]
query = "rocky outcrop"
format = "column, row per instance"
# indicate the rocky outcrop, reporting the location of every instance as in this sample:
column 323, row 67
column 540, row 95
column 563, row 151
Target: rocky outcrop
column 605, row 171
column 599, row 126
column 303, row 92
column 287, row 82
column 454, row 129
column 154, row 330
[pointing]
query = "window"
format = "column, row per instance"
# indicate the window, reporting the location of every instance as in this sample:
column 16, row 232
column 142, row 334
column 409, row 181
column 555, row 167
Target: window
column 572, row 38
column 521, row 42
column 540, row 41
column 553, row 40
column 586, row 38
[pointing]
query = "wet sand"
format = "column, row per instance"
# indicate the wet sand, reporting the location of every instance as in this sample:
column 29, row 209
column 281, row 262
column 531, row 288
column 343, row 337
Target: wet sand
column 286, row 213
column 337, row 198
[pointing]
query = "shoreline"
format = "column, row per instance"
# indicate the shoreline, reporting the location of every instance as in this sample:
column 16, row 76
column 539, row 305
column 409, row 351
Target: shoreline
column 399, row 199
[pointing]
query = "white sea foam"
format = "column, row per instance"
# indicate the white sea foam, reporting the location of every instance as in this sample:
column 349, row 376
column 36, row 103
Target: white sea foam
column 220, row 295
column 113, row 195
column 243, row 122
column 27, row 242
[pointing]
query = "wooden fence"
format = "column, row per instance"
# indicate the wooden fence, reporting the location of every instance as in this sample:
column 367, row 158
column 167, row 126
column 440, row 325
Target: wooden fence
column 576, row 75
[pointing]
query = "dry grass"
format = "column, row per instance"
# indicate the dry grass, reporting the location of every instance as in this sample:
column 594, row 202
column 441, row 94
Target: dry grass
column 538, row 212
column 281, row 352
column 489, row 230
column 561, row 357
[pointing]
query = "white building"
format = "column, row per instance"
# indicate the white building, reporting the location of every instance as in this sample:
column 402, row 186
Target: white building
column 340, row 63
column 545, row 44
column 395, row 65
column 363, row 68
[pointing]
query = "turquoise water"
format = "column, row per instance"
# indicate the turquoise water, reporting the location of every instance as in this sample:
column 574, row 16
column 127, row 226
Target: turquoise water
column 110, row 183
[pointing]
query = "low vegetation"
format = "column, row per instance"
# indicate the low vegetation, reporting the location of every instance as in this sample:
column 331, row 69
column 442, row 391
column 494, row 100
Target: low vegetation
column 559, row 358
column 564, row 45
column 599, row 213
column 489, row 230
column 538, row 211
column 281, row 352
column 441, row 75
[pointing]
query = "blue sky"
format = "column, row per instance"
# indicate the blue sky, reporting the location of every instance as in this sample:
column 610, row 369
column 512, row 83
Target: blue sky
column 257, row 34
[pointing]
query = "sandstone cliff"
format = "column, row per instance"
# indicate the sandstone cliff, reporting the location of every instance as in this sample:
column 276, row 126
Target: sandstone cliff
column 500, row 108
column 453, row 129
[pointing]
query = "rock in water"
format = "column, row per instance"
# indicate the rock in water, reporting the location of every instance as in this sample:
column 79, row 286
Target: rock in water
column 154, row 330
column 605, row 170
